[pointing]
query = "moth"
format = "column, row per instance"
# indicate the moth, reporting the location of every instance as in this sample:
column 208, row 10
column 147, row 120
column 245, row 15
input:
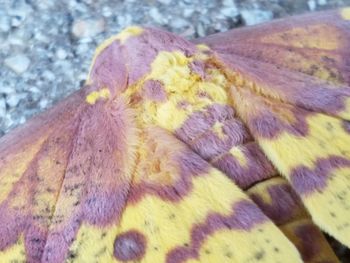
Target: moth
column 230, row 148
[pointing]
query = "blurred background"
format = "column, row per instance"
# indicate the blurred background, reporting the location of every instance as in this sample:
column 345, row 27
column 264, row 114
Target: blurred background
column 46, row 46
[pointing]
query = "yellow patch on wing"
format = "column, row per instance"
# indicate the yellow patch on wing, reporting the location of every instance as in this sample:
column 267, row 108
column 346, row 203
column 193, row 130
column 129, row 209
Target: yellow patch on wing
column 326, row 137
column 94, row 96
column 329, row 207
column 239, row 155
column 261, row 244
column 182, row 86
column 15, row 253
column 345, row 13
column 168, row 225
column 306, row 37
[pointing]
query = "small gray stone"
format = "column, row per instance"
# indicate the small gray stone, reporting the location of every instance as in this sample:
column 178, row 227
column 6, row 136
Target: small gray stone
column 229, row 11
column 4, row 24
column 179, row 23
column 7, row 90
column 61, row 53
column 255, row 16
column 165, row 2
column 2, row 108
column 13, row 99
column 312, row 5
column 18, row 63
column 157, row 17
column 88, row 28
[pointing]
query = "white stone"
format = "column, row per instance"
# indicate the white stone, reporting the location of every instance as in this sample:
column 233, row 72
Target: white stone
column 61, row 54
column 188, row 12
column 18, row 63
column 47, row 74
column 229, row 11
column 322, row 2
column 253, row 17
column 157, row 17
column 179, row 23
column 7, row 90
column 165, row 2
column 311, row 4
column 43, row 103
column 228, row 3
column 13, row 99
column 2, row 108
column 4, row 24
column 88, row 28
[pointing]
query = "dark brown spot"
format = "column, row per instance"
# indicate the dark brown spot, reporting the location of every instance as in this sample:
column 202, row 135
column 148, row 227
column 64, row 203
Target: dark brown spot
column 259, row 255
column 130, row 246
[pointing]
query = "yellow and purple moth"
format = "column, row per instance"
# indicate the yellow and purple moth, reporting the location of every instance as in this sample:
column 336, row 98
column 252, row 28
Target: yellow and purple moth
column 230, row 148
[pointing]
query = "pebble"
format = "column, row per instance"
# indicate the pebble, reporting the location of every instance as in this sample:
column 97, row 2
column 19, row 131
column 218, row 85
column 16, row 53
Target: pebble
column 165, row 2
column 4, row 24
column 312, row 5
column 157, row 17
column 2, row 107
column 13, row 99
column 253, row 17
column 18, row 63
column 88, row 28
column 61, row 54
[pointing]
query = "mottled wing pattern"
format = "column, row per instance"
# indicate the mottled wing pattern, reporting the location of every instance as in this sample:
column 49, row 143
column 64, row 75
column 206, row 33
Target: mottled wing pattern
column 105, row 176
column 290, row 86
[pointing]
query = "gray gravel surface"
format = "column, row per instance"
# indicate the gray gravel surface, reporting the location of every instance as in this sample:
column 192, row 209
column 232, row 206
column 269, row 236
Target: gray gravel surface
column 46, row 46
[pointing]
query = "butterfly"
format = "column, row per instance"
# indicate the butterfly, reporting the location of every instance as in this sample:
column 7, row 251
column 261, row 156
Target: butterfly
column 230, row 148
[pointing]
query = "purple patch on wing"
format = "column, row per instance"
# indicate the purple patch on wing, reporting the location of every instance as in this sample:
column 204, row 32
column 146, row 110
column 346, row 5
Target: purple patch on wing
column 154, row 90
column 257, row 168
column 306, row 181
column 210, row 145
column 109, row 69
column 130, row 246
column 310, row 246
column 346, row 125
column 283, row 205
column 141, row 50
column 245, row 215
column 269, row 124
column 201, row 121
column 198, row 67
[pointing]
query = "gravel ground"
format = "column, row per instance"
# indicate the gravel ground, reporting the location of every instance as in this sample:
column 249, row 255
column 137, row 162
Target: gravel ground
column 46, row 46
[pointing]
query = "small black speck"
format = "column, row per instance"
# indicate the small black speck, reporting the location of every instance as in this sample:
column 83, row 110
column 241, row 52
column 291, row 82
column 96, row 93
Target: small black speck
column 259, row 255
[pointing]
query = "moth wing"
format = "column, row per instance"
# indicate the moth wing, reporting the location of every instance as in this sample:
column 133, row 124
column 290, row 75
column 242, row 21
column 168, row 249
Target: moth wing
column 315, row 44
column 299, row 117
column 33, row 159
column 181, row 209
